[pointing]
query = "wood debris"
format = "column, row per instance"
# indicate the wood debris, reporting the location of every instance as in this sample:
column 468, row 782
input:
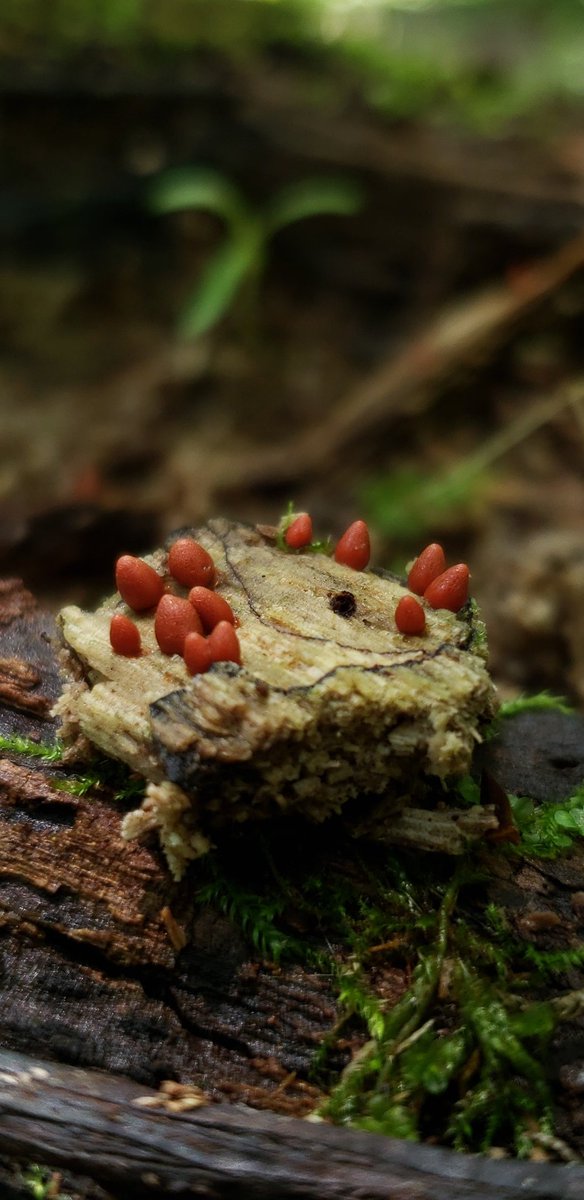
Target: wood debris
column 326, row 713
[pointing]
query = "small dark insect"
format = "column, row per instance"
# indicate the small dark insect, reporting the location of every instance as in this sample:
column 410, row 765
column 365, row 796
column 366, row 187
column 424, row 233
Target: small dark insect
column 343, row 603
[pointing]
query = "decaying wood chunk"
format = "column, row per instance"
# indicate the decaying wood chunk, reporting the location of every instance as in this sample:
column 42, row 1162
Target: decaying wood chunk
column 331, row 705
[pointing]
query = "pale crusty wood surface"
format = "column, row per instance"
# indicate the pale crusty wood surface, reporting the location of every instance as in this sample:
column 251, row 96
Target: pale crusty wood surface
column 326, row 708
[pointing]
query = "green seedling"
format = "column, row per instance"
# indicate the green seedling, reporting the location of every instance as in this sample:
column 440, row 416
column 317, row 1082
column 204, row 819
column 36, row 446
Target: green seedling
column 242, row 256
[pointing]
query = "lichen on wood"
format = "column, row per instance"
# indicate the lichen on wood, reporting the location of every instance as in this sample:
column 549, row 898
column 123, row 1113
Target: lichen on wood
column 326, row 709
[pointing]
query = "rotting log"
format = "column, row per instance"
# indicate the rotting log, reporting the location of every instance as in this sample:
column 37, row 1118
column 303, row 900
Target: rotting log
column 101, row 1126
column 94, row 969
column 108, row 964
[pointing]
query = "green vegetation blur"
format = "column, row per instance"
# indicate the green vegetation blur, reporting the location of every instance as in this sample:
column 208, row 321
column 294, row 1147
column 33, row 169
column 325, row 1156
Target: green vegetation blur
column 483, row 61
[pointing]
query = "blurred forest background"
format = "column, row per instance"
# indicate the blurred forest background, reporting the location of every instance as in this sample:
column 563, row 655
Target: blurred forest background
column 322, row 250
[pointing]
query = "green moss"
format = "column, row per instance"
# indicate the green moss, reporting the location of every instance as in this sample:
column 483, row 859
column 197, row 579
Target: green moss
column 316, row 546
column 548, row 829
column 411, row 1058
column 542, row 701
column 255, row 913
column 460, row 1053
column 554, row 962
column 478, row 639
column 40, row 1182
column 511, row 954
column 104, row 774
column 13, row 744
column 467, row 791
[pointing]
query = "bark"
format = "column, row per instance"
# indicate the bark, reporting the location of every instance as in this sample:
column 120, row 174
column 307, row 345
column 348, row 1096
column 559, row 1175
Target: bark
column 95, row 970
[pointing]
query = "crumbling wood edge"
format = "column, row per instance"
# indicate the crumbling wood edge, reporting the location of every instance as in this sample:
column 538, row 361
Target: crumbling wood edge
column 91, row 1123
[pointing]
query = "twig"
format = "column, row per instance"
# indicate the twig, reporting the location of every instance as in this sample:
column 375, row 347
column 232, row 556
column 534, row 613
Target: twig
column 558, row 1147
column 404, row 385
column 414, row 1037
column 570, row 1006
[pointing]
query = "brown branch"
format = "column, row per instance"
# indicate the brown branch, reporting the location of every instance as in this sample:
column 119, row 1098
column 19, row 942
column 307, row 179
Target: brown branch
column 404, row 384
column 101, row 1126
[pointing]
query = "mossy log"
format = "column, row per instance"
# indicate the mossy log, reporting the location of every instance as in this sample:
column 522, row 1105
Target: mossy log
column 106, row 963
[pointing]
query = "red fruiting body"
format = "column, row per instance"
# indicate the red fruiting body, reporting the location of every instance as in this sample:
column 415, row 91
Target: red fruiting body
column 428, row 566
column 174, row 619
column 190, row 564
column 211, row 608
column 299, row 532
column 125, row 636
column 354, row 548
column 224, row 643
column 449, row 590
column 410, row 617
column 198, row 655
column 138, row 584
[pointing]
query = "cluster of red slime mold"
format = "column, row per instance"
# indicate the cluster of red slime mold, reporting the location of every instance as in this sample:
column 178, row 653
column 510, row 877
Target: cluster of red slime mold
column 200, row 627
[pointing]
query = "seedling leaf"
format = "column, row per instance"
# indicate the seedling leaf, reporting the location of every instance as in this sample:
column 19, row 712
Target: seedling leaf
column 313, row 198
column 197, row 187
column 218, row 286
